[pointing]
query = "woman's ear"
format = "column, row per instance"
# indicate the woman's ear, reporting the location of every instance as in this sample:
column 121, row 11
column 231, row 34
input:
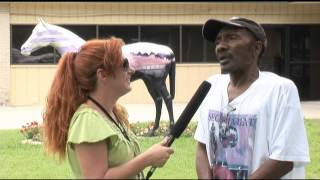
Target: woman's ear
column 101, row 74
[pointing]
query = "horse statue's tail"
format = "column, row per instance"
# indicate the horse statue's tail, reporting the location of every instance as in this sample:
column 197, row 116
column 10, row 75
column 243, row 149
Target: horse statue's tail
column 172, row 78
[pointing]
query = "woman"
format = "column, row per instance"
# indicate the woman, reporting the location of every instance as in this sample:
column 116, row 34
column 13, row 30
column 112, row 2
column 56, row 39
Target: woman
column 83, row 121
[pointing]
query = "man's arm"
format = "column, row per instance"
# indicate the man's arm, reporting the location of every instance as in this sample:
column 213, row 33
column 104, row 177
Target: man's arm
column 202, row 162
column 272, row 169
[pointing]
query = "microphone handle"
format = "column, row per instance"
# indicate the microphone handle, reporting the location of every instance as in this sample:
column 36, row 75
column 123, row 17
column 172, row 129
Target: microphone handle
column 150, row 172
column 168, row 144
column 169, row 141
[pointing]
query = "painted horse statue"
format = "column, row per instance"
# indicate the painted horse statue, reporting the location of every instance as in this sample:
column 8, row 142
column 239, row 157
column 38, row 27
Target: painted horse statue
column 152, row 62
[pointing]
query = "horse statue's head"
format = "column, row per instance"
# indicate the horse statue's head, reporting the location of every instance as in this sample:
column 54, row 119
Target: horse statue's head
column 45, row 34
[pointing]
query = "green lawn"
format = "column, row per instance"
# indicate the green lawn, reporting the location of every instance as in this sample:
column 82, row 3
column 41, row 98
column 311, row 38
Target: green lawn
column 313, row 130
column 29, row 161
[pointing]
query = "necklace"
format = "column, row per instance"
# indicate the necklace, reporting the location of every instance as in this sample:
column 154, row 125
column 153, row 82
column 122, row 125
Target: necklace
column 123, row 131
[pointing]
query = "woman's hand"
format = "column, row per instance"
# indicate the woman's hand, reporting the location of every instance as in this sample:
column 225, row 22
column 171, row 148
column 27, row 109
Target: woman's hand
column 158, row 154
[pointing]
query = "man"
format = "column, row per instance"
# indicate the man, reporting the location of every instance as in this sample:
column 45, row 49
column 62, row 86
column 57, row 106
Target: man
column 251, row 124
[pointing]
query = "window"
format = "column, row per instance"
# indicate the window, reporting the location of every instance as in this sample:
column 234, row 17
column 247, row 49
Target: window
column 300, row 43
column 165, row 35
column 86, row 32
column 186, row 41
column 19, row 34
column 304, row 60
column 194, row 47
column 128, row 33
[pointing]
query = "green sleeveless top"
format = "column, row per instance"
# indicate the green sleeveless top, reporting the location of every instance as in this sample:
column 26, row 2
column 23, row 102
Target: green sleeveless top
column 88, row 125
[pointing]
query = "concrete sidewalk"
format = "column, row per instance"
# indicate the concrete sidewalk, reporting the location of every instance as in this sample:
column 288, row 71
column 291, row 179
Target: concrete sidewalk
column 15, row 117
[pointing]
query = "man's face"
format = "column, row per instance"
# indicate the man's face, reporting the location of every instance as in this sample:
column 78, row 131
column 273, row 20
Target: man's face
column 235, row 50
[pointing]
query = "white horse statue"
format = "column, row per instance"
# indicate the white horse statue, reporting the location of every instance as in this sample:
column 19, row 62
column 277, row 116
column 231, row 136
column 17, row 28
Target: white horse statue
column 152, row 62
column 45, row 34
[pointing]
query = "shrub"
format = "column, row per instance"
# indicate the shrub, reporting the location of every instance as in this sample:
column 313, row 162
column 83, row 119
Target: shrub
column 32, row 131
column 142, row 128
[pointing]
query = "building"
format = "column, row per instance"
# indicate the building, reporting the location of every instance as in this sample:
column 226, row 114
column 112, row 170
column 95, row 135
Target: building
column 293, row 30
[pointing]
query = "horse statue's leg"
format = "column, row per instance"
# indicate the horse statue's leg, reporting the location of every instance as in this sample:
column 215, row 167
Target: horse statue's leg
column 153, row 90
column 169, row 98
column 168, row 101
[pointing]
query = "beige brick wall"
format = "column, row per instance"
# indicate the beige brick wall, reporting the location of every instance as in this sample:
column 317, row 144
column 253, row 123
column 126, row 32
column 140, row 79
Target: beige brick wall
column 26, row 91
column 162, row 12
column 30, row 83
column 4, row 54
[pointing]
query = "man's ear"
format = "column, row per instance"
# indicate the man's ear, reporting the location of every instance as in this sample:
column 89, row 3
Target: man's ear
column 258, row 48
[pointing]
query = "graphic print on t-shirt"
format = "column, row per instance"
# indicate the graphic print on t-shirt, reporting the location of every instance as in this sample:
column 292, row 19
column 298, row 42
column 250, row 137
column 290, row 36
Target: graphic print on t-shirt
column 231, row 143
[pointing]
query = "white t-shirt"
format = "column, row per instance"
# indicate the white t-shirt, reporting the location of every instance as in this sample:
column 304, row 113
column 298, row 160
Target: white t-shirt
column 264, row 122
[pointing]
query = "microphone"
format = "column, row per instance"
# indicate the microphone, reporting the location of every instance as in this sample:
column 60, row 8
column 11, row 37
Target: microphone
column 185, row 117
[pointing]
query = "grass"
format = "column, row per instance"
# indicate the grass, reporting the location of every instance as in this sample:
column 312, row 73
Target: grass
column 181, row 165
column 24, row 161
column 313, row 131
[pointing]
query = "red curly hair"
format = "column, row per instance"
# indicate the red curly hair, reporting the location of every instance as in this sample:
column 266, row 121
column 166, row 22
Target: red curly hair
column 74, row 80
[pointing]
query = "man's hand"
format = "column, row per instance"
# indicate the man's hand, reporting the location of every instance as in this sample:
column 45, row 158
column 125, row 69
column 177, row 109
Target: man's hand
column 272, row 169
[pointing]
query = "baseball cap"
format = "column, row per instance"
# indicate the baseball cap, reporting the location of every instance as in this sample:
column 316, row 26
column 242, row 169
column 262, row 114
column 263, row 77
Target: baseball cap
column 212, row 27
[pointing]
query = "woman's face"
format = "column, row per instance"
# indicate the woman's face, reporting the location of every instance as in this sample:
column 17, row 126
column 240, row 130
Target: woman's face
column 121, row 80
